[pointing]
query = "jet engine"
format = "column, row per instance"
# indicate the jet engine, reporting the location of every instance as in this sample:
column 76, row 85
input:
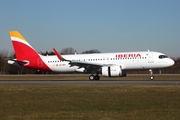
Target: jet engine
column 113, row 71
column 80, row 70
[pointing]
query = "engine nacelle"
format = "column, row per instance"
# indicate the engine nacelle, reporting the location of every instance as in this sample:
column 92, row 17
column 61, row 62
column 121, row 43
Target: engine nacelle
column 80, row 70
column 113, row 71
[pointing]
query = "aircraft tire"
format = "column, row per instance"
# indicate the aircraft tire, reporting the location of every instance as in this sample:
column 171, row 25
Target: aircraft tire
column 91, row 77
column 152, row 77
column 96, row 77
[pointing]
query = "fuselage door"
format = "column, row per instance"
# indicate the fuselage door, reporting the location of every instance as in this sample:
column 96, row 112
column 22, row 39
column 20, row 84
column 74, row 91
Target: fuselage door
column 150, row 57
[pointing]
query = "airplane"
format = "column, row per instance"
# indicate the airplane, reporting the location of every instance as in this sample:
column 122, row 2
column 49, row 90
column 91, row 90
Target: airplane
column 108, row 64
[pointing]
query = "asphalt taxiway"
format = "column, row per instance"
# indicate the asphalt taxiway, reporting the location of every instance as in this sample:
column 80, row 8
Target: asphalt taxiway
column 159, row 82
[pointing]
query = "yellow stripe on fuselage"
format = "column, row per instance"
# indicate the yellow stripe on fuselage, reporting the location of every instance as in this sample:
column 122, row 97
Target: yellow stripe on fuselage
column 16, row 34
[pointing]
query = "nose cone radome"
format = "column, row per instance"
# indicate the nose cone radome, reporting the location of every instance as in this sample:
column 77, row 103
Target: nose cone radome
column 171, row 62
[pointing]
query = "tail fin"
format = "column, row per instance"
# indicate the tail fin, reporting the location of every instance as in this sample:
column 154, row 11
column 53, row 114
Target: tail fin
column 26, row 55
column 22, row 48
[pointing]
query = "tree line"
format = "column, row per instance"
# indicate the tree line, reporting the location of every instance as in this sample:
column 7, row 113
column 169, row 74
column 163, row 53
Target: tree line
column 5, row 68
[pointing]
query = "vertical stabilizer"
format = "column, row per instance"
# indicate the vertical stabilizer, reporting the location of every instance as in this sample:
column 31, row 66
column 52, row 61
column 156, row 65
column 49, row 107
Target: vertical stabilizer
column 26, row 55
column 22, row 48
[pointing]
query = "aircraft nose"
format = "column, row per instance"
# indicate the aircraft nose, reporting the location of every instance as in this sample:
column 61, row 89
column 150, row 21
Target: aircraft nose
column 171, row 62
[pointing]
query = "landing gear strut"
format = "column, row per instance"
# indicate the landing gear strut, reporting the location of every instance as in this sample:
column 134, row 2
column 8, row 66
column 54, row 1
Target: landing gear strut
column 92, row 77
column 151, row 74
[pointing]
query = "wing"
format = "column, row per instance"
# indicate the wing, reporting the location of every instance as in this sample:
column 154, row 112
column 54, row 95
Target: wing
column 85, row 63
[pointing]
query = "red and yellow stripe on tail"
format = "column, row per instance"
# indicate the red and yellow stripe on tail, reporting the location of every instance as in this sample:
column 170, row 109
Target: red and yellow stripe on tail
column 25, row 52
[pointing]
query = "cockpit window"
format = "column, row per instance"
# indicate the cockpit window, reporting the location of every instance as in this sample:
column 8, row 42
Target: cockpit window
column 163, row 56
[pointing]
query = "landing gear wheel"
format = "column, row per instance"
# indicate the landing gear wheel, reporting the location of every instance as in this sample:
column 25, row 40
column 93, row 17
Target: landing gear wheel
column 152, row 77
column 151, row 74
column 91, row 77
column 96, row 77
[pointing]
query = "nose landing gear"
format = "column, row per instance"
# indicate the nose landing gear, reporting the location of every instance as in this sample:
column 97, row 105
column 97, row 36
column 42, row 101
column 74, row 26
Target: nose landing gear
column 151, row 74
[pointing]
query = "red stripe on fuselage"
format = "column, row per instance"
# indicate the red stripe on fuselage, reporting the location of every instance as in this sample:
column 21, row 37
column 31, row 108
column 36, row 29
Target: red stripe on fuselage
column 26, row 53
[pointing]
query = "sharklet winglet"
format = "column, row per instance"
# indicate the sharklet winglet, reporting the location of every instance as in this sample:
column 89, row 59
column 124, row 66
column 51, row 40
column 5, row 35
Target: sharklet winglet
column 59, row 55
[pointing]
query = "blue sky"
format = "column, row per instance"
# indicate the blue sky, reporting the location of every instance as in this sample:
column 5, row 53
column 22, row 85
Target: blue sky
column 106, row 25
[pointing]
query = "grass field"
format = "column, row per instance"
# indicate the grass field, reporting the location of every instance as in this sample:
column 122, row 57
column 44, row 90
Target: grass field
column 86, row 77
column 89, row 102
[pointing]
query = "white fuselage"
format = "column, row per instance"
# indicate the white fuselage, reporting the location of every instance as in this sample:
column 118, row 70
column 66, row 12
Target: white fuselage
column 127, row 60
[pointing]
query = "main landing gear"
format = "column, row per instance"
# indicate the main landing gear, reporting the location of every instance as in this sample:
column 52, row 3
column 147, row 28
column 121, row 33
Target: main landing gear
column 151, row 74
column 94, row 77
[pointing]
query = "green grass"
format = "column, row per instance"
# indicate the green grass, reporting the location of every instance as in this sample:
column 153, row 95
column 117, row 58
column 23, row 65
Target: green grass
column 89, row 102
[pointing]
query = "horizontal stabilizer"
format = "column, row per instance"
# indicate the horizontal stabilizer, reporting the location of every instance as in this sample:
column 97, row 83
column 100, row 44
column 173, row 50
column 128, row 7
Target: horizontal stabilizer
column 17, row 62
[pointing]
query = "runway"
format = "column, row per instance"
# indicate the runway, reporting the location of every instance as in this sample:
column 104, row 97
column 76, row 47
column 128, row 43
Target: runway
column 159, row 82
